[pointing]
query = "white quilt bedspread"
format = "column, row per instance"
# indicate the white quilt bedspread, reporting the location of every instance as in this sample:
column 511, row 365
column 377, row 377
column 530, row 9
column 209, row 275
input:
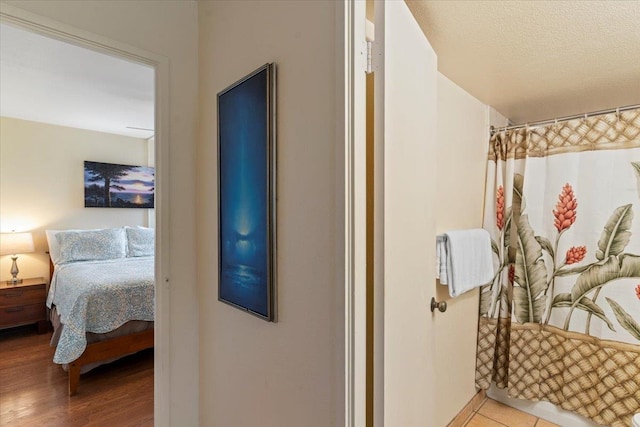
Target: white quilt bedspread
column 99, row 296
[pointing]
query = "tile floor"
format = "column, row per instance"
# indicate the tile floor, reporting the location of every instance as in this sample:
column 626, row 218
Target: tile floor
column 496, row 414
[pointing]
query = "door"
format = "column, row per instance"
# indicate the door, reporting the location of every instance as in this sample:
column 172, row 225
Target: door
column 404, row 237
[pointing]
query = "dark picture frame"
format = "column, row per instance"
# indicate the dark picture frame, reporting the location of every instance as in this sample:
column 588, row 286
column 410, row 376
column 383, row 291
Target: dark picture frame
column 247, row 193
column 112, row 185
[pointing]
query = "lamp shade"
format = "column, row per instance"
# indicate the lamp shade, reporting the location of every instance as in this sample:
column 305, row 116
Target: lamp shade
column 16, row 243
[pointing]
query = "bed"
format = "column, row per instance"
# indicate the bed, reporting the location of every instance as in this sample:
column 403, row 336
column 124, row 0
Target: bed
column 101, row 296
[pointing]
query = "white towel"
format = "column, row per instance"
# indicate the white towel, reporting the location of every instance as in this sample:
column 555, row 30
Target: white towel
column 441, row 260
column 465, row 260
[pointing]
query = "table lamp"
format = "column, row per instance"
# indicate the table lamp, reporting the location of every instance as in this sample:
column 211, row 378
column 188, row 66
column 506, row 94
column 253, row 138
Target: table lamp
column 13, row 244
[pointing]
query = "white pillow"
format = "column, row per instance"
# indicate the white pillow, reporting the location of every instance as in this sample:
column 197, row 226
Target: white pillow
column 140, row 241
column 88, row 245
column 54, row 246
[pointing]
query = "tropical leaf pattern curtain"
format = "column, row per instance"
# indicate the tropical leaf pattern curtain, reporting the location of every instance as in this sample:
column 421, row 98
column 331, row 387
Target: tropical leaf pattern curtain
column 561, row 319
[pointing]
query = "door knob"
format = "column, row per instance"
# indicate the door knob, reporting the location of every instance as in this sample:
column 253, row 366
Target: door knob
column 442, row 305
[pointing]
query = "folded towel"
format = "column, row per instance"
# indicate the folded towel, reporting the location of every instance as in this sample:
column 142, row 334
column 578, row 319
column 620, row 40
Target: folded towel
column 466, row 260
column 441, row 260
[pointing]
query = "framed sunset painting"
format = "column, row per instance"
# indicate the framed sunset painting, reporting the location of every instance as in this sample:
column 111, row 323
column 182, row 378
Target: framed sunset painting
column 109, row 185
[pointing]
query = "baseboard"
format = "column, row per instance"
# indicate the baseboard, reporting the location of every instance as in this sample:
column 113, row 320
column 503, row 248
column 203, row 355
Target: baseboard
column 468, row 410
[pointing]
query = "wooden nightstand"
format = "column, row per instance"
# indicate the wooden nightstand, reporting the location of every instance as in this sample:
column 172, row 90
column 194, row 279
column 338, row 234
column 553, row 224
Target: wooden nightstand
column 24, row 303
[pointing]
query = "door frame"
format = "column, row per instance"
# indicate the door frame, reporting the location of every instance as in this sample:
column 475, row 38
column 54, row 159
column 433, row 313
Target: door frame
column 355, row 203
column 56, row 30
column 386, row 400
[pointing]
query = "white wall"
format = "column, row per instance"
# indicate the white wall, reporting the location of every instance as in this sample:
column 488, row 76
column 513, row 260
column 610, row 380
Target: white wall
column 289, row 373
column 168, row 28
column 42, row 183
column 463, row 141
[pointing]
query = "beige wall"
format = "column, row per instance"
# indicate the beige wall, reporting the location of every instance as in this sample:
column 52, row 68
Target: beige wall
column 407, row 111
column 461, row 163
column 41, row 183
column 168, row 28
column 289, row 373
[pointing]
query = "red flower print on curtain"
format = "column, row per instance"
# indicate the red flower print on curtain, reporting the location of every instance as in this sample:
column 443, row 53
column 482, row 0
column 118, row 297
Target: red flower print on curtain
column 565, row 211
column 575, row 254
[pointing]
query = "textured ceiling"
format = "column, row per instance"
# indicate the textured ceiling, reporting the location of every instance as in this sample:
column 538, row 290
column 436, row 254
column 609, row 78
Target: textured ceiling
column 536, row 60
column 46, row 80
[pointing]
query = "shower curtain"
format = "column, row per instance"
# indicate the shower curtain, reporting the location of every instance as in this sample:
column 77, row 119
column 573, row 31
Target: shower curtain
column 560, row 321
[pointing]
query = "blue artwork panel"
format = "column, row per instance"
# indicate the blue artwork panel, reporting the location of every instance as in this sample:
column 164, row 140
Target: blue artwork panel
column 244, row 194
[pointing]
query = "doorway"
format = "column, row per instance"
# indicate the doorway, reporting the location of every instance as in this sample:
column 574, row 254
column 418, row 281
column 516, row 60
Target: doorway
column 395, row 232
column 23, row 20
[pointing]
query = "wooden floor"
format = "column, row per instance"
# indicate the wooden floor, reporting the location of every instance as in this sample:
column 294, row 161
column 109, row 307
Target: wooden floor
column 33, row 390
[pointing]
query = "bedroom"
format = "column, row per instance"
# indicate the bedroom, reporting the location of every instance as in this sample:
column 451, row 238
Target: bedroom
column 61, row 106
column 294, row 371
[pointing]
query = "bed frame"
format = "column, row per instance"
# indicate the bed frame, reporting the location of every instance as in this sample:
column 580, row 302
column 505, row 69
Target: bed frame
column 104, row 350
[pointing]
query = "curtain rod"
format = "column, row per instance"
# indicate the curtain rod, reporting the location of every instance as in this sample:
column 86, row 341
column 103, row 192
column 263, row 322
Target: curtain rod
column 563, row 119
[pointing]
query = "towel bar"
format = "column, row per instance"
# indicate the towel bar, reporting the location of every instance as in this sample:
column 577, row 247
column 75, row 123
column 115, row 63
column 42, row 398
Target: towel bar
column 441, row 306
